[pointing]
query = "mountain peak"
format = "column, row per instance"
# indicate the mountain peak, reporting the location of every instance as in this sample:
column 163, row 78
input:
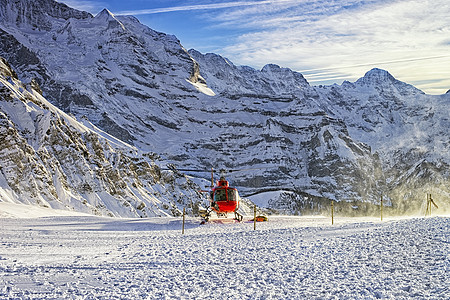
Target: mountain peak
column 382, row 78
column 285, row 74
column 377, row 76
column 271, row 68
column 105, row 13
column 105, row 16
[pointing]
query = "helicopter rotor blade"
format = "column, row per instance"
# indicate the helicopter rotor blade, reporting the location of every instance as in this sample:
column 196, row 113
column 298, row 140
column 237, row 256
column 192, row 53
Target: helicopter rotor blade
column 215, row 170
column 247, row 169
column 184, row 170
column 172, row 167
column 221, row 172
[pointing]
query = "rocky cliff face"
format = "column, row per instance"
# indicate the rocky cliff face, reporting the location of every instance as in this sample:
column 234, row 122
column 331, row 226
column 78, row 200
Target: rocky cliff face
column 407, row 129
column 92, row 65
column 353, row 142
column 226, row 79
column 51, row 160
column 37, row 14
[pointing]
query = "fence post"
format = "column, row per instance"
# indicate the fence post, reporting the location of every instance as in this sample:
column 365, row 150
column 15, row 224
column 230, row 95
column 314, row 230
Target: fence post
column 332, row 212
column 428, row 210
column 429, row 203
column 184, row 214
column 381, row 208
column 254, row 218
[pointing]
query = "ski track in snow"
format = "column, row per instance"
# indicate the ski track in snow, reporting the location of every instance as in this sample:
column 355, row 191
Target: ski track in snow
column 80, row 257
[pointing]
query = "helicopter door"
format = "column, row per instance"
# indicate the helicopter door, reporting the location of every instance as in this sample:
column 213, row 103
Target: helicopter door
column 231, row 195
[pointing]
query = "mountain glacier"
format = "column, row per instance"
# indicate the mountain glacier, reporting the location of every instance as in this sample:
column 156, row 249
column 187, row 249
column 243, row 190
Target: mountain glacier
column 124, row 82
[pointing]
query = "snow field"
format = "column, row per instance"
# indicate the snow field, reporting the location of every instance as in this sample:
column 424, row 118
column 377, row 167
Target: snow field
column 78, row 257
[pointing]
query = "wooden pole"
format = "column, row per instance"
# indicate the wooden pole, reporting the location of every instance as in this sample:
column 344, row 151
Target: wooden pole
column 332, row 212
column 254, row 218
column 184, row 214
column 381, row 209
column 429, row 204
column 428, row 210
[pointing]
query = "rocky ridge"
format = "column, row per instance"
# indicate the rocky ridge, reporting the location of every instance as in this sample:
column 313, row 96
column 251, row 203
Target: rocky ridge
column 51, row 160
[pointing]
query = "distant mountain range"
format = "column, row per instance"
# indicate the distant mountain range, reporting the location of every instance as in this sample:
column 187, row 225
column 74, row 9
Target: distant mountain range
column 93, row 106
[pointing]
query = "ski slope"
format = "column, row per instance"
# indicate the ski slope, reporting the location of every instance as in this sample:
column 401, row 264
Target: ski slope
column 53, row 255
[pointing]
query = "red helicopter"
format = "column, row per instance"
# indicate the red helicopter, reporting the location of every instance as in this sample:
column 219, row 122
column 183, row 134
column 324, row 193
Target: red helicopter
column 223, row 199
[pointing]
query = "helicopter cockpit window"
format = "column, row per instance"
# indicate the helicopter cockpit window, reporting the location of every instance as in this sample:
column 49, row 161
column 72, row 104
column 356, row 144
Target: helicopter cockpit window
column 220, row 195
column 231, row 195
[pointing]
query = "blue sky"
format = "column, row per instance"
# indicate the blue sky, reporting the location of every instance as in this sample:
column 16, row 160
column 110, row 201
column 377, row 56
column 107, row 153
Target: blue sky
column 328, row 41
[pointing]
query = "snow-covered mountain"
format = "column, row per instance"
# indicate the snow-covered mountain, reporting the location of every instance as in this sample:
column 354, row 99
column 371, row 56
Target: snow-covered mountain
column 407, row 129
column 353, row 142
column 51, row 160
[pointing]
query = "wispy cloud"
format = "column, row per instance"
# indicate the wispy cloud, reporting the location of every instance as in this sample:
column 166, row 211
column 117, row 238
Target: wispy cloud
column 346, row 37
column 372, row 64
column 209, row 6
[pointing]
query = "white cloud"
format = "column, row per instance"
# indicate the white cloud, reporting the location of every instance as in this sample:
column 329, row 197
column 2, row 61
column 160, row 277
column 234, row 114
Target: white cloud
column 210, row 6
column 409, row 38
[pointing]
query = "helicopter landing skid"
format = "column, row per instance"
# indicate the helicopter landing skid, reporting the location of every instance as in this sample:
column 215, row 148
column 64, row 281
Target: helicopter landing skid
column 205, row 215
column 238, row 216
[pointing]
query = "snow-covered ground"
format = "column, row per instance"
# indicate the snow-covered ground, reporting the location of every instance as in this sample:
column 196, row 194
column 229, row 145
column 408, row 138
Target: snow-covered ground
column 53, row 255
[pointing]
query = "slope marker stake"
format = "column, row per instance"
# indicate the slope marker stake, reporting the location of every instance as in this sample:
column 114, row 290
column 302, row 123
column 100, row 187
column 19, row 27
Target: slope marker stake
column 184, row 214
column 254, row 217
column 381, row 208
column 332, row 212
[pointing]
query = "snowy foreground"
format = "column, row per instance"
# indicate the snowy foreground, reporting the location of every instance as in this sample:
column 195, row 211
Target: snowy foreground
column 85, row 257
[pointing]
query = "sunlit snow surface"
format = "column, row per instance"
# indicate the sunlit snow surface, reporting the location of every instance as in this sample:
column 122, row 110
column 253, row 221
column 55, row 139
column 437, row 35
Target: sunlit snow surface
column 83, row 257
